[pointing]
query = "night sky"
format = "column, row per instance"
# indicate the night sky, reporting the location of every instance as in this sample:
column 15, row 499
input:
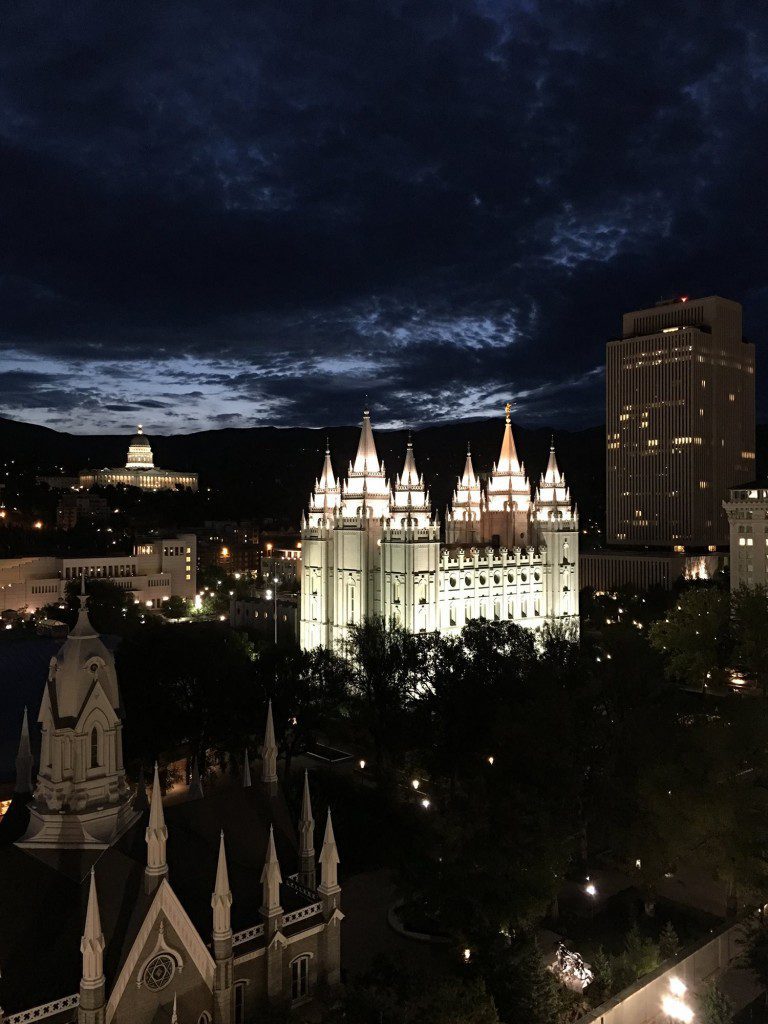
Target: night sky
column 233, row 214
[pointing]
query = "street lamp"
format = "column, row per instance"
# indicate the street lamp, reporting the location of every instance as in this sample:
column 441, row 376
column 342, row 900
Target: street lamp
column 274, row 580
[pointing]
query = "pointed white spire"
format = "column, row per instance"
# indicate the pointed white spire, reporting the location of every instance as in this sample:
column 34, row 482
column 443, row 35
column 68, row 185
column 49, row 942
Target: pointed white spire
column 24, row 759
column 329, row 860
column 156, row 836
column 366, row 460
column 221, row 901
column 508, row 486
column 410, row 501
column 92, row 942
column 553, row 498
column 327, row 494
column 269, row 751
column 270, row 880
column 307, row 838
column 246, row 770
column 195, row 783
column 327, row 480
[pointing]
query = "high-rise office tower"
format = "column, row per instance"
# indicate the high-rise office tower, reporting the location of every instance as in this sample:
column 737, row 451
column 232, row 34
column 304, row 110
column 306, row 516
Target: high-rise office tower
column 680, row 422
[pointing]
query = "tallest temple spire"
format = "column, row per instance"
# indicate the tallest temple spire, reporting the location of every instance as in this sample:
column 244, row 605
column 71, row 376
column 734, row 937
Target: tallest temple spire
column 366, row 460
column 366, row 490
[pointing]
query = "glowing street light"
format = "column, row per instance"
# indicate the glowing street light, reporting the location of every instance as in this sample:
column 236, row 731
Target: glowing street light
column 673, row 1003
column 590, row 889
column 361, row 764
column 415, row 783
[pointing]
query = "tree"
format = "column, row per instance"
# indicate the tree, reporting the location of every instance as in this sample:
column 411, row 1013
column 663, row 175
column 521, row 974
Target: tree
column 522, row 987
column 669, row 944
column 384, row 660
column 601, row 987
column 175, row 607
column 395, row 992
column 749, row 607
column 695, row 638
column 714, row 1006
column 111, row 609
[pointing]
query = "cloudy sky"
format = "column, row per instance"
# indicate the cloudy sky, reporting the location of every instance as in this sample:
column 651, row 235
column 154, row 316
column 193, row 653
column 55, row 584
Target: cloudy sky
column 234, row 213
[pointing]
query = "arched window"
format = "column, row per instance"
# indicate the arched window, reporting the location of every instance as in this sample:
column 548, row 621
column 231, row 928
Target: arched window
column 299, row 978
column 94, row 747
column 240, row 1002
column 204, row 1018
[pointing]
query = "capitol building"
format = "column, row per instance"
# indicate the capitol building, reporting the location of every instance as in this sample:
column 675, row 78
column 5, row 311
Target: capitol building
column 139, row 471
column 370, row 548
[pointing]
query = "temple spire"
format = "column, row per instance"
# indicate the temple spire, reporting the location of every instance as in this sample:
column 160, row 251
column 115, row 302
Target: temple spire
column 307, row 838
column 24, row 759
column 366, row 460
column 270, row 880
column 329, row 861
column 221, row 901
column 246, row 770
column 508, row 457
column 269, row 751
column 92, row 942
column 156, row 837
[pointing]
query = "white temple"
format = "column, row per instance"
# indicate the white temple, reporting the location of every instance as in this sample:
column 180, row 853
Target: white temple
column 370, row 549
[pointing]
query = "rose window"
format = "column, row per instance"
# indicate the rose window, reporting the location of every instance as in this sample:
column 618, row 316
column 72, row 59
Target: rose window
column 159, row 972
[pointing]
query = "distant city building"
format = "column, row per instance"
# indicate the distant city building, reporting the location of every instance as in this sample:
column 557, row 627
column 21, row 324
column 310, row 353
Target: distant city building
column 747, row 511
column 372, row 549
column 258, row 613
column 156, row 571
column 216, row 908
column 606, row 571
column 139, row 471
column 680, row 423
column 78, row 508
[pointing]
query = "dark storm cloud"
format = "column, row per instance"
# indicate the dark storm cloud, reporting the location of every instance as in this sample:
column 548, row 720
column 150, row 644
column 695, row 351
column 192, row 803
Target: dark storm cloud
column 280, row 207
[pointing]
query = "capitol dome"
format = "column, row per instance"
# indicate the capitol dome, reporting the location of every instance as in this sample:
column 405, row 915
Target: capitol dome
column 140, row 452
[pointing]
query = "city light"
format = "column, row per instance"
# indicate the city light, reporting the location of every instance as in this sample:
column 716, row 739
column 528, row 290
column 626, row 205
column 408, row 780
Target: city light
column 673, row 1003
column 590, row 889
column 425, row 803
column 415, row 783
column 361, row 764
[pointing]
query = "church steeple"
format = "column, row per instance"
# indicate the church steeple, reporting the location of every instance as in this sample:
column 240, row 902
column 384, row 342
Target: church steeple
column 553, row 498
column 307, row 838
column 326, row 497
column 156, row 836
column 329, row 861
column 410, row 501
column 221, row 901
column 24, row 759
column 92, row 944
column 270, row 881
column 463, row 515
column 269, row 753
column 366, row 489
column 82, row 799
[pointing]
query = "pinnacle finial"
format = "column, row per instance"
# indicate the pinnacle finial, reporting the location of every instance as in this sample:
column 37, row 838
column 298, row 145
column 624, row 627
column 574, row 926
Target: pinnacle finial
column 246, row 770
column 24, row 759
column 508, row 410
column 269, row 750
column 329, row 859
column 174, row 1013
column 92, row 941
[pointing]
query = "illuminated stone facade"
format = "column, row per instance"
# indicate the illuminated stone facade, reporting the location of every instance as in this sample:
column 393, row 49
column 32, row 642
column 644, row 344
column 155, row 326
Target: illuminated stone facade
column 370, row 549
column 680, row 422
column 747, row 511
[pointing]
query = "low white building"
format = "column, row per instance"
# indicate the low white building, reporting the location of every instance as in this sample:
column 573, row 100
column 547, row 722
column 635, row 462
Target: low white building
column 371, row 549
column 747, row 511
column 153, row 573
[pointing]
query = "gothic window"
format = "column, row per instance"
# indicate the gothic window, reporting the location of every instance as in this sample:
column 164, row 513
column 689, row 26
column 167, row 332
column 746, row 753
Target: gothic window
column 452, row 614
column 300, row 978
column 159, row 972
column 240, row 1002
column 204, row 1018
column 496, row 611
column 94, row 747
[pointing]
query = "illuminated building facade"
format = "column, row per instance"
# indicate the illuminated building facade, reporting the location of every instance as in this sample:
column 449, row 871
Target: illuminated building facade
column 139, row 471
column 680, row 422
column 156, row 571
column 747, row 511
column 371, row 549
